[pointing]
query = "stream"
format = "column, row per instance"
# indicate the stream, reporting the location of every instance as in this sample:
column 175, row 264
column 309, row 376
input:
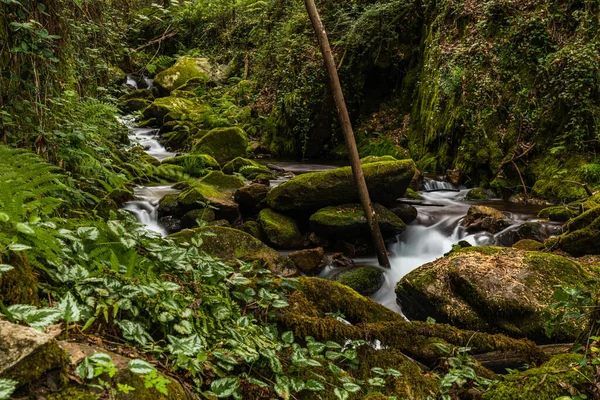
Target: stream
column 430, row 236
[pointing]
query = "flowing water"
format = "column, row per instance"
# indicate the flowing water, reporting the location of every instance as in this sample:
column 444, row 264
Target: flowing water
column 434, row 232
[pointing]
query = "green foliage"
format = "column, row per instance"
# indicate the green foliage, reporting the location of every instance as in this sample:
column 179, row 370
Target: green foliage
column 7, row 387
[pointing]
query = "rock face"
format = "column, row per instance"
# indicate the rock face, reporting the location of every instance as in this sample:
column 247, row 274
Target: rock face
column 310, row 192
column 230, row 244
column 280, row 230
column 349, row 221
column 179, row 74
column 490, row 289
column 309, row 261
column 224, row 144
column 582, row 236
column 365, row 280
column 482, row 218
column 26, row 354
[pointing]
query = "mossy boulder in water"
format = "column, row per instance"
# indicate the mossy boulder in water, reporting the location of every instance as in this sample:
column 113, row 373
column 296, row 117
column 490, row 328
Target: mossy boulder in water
column 309, row 261
column 528, row 230
column 582, row 236
column 230, row 244
column 365, row 280
column 248, row 168
column 483, row 218
column 224, row 144
column 406, row 212
column 280, row 230
column 374, row 159
column 185, row 68
column 558, row 213
column 491, row 289
column 529, row 245
column 349, row 221
column 250, row 198
column 221, row 181
column 386, row 181
column 477, row 194
column 174, row 106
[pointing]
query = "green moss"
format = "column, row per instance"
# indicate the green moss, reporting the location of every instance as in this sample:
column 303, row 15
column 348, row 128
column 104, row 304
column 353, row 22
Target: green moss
column 386, row 181
column 19, row 285
column 365, row 280
column 349, row 220
column 179, row 74
column 529, row 245
column 221, row 181
column 224, row 144
column 174, row 106
column 238, row 163
column 253, row 228
column 230, row 244
column 582, row 236
column 412, row 195
column 194, row 164
column 374, row 159
column 73, row 393
column 476, row 194
column 280, row 230
column 559, row 213
column 558, row 377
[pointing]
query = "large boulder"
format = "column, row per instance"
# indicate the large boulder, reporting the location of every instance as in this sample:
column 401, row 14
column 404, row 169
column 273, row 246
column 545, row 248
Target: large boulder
column 557, row 213
column 248, row 168
column 406, row 212
column 483, row 218
column 185, row 68
column 26, row 355
column 224, row 144
column 365, row 280
column 280, row 230
column 386, row 181
column 582, row 236
column 526, row 231
column 230, row 244
column 491, row 289
column 221, row 181
column 349, row 221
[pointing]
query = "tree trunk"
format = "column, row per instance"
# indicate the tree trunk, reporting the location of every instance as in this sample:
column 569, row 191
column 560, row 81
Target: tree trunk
column 336, row 89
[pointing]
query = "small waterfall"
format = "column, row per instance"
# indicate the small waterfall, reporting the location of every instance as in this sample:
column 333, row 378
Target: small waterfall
column 432, row 185
column 131, row 82
column 148, row 139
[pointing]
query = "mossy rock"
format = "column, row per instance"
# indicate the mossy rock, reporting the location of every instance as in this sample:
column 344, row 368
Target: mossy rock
column 132, row 105
column 185, row 68
column 582, row 236
column 174, row 106
column 557, row 190
column 27, row 355
column 194, row 164
column 196, row 196
column 231, row 244
column 349, row 221
column 221, row 181
column 19, row 285
column 240, row 164
column 528, row 245
column 492, row 289
column 561, row 376
column 412, row 195
column 483, row 218
column 405, row 212
column 365, row 280
column 171, row 172
column 189, row 220
column 280, row 230
column 253, row 228
column 386, row 181
column 558, row 214
column 224, row 144
column 374, row 159
column 250, row 197
column 528, row 230
column 477, row 194
column 309, row 261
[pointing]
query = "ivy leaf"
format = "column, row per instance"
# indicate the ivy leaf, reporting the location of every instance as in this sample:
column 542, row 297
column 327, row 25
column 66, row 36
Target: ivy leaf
column 378, row 371
column 393, row 372
column 140, row 367
column 314, row 385
column 288, row 337
column 341, row 393
column 280, row 304
column 225, row 387
column 297, row 385
column 43, row 317
column 25, row 228
column 282, row 390
column 88, row 232
column 7, row 387
column 69, row 308
column 221, row 312
column 5, row 268
column 257, row 382
column 352, row 387
column 376, row 382
column 315, row 348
